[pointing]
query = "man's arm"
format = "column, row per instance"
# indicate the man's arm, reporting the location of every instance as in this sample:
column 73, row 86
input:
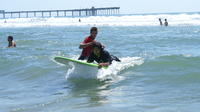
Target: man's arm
column 84, row 45
column 14, row 44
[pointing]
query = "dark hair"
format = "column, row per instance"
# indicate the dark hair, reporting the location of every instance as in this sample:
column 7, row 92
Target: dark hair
column 98, row 45
column 10, row 37
column 93, row 29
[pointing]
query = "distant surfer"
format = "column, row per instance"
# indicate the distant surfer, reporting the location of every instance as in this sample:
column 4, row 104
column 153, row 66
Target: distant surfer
column 166, row 23
column 101, row 56
column 86, row 45
column 160, row 21
column 11, row 43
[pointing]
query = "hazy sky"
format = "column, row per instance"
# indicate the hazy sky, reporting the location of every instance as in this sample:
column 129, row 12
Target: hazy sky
column 126, row 6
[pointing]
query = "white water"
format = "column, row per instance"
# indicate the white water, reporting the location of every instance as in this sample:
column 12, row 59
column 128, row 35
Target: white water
column 124, row 20
column 82, row 71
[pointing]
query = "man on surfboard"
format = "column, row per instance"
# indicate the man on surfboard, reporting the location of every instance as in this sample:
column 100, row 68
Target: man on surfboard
column 101, row 56
column 86, row 45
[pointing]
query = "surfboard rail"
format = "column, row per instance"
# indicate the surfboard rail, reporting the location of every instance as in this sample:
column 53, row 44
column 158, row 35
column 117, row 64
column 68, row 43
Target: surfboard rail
column 77, row 61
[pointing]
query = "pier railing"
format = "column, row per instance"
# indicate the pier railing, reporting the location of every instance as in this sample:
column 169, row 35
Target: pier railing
column 61, row 13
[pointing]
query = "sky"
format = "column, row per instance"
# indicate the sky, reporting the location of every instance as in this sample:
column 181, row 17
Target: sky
column 126, row 6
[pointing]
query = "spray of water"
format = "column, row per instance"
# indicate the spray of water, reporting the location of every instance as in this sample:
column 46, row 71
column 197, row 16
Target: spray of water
column 112, row 72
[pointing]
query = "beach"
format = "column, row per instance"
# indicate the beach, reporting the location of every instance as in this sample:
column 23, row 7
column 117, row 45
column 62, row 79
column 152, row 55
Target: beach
column 159, row 70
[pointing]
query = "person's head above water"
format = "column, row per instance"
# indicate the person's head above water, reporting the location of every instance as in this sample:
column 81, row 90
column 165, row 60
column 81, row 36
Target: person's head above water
column 11, row 43
column 10, row 38
column 93, row 32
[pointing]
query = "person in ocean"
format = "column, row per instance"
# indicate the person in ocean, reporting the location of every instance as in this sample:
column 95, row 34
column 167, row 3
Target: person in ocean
column 11, row 43
column 160, row 21
column 86, row 45
column 166, row 23
column 101, row 56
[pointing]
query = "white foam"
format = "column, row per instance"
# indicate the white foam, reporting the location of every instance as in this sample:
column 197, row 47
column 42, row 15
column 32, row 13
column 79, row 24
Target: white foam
column 125, row 20
column 116, row 67
column 81, row 71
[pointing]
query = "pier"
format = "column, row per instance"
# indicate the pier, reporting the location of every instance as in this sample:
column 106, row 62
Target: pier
column 106, row 11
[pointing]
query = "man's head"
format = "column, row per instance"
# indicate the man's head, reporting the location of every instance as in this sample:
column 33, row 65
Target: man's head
column 97, row 48
column 93, row 32
column 10, row 38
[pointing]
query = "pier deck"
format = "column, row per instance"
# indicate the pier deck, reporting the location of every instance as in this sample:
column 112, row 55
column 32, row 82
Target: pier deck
column 61, row 13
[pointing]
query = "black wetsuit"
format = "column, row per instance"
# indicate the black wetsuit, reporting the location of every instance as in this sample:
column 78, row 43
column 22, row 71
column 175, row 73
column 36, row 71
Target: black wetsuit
column 104, row 57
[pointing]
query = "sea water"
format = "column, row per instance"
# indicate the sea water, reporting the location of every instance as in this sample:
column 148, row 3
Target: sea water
column 159, row 71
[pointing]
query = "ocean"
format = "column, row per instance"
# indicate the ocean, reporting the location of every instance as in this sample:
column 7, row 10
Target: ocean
column 159, row 71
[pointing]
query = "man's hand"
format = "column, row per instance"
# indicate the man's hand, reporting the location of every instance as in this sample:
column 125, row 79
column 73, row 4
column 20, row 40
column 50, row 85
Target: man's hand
column 103, row 64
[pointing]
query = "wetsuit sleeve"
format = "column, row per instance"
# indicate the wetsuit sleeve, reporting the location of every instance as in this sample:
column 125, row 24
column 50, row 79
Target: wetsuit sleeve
column 90, row 58
column 107, row 57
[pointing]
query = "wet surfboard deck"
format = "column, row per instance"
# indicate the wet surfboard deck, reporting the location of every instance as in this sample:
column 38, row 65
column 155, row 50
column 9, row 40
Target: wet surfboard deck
column 65, row 60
